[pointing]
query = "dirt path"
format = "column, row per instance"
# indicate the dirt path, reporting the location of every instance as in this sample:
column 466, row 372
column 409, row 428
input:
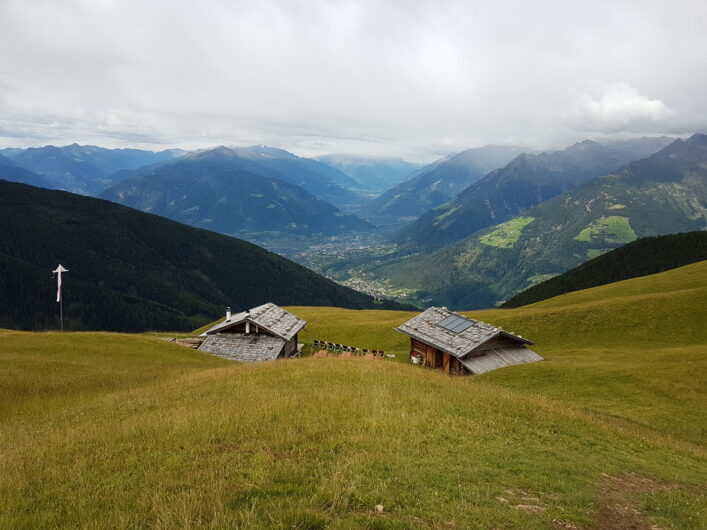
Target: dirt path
column 620, row 503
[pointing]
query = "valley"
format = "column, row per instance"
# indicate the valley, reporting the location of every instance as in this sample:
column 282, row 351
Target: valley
column 535, row 217
column 661, row 194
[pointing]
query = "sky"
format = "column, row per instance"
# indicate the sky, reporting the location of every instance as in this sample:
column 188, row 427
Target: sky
column 411, row 78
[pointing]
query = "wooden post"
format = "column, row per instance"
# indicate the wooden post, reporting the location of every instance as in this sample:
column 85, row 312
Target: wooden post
column 431, row 357
column 445, row 363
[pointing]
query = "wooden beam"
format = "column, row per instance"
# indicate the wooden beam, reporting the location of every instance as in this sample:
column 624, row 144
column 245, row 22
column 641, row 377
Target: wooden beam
column 431, row 357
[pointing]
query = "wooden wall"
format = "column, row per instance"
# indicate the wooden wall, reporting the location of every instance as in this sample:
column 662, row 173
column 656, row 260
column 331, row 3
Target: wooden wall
column 290, row 347
column 437, row 359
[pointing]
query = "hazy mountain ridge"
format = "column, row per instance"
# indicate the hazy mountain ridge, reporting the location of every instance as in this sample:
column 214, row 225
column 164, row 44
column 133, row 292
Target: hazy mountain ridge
column 440, row 181
column 10, row 171
column 662, row 194
column 85, row 169
column 370, row 173
column 222, row 191
column 317, row 178
column 131, row 271
column 527, row 180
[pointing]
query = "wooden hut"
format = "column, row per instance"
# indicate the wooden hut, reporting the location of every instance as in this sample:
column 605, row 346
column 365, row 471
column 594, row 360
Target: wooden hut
column 264, row 333
column 448, row 341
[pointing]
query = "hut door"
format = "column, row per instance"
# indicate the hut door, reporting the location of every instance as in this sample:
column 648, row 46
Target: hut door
column 445, row 363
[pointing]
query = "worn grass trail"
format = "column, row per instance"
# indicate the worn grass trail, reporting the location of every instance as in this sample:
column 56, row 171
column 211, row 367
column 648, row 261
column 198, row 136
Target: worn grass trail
column 103, row 430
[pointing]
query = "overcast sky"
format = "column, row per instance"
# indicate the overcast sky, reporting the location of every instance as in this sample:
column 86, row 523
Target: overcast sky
column 408, row 78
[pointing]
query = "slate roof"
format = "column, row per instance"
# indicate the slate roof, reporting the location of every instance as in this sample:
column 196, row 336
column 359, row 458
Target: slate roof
column 250, row 348
column 269, row 316
column 424, row 327
column 498, row 358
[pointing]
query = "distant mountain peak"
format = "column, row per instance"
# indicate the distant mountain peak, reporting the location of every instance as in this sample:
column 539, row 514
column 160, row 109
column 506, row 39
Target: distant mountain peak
column 220, row 151
column 264, row 152
column 698, row 139
column 586, row 143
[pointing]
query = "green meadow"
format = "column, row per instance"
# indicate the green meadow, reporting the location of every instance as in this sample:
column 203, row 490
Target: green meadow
column 611, row 229
column 506, row 234
column 106, row 430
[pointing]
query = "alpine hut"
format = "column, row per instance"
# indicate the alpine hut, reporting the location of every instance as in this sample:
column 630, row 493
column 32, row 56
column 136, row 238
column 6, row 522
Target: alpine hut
column 448, row 341
column 264, row 333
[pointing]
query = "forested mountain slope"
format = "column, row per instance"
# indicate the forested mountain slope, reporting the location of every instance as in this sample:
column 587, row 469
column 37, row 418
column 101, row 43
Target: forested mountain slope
column 131, row 271
column 227, row 193
column 319, row 179
column 648, row 255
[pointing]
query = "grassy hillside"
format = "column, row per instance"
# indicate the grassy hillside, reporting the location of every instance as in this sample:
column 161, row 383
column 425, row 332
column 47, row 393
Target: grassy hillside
column 132, row 271
column 648, row 255
column 607, row 432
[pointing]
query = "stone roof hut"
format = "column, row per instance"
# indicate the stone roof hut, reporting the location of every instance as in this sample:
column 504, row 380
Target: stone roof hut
column 458, row 345
column 264, row 333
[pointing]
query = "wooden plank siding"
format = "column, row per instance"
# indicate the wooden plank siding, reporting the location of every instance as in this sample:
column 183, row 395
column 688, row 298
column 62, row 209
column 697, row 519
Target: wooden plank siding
column 437, row 359
column 457, row 368
column 420, row 348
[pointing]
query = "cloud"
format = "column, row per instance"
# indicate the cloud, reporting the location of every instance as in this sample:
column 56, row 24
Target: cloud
column 620, row 108
column 417, row 78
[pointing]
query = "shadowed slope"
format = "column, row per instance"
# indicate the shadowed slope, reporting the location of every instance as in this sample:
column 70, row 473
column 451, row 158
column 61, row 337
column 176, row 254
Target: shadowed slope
column 645, row 256
column 132, row 271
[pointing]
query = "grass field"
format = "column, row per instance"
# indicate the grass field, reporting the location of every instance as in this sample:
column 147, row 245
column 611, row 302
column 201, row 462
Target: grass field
column 506, row 234
column 611, row 229
column 104, row 430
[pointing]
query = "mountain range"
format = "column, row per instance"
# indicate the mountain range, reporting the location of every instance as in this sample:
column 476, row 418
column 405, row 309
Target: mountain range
column 132, row 271
column 440, row 181
column 84, row 169
column 662, row 194
column 321, row 180
column 371, row 174
column 223, row 191
column 10, row 171
column 527, row 180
